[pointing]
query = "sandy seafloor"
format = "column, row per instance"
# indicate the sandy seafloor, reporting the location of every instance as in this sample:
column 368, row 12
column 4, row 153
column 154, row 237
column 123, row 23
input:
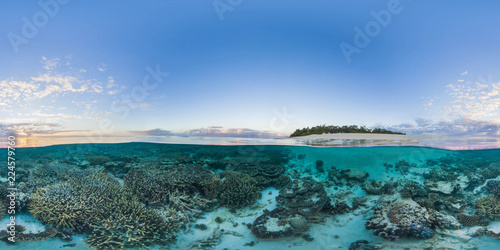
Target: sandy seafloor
column 337, row 231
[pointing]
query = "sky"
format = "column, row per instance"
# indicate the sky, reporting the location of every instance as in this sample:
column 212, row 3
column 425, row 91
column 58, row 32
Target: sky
column 248, row 68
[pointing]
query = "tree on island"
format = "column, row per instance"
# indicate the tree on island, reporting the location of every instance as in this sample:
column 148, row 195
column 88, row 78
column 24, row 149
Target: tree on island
column 323, row 129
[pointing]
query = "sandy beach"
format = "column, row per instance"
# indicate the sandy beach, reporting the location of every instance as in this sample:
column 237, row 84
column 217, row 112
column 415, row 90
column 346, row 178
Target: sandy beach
column 360, row 139
column 361, row 136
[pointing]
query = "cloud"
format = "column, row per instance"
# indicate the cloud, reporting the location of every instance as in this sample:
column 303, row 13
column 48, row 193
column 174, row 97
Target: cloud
column 50, row 64
column 456, row 127
column 29, row 128
column 476, row 100
column 51, row 84
column 213, row 131
column 464, row 73
column 154, row 132
column 217, row 131
column 102, row 68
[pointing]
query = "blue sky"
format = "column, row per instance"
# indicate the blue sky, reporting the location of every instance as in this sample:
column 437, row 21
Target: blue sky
column 241, row 72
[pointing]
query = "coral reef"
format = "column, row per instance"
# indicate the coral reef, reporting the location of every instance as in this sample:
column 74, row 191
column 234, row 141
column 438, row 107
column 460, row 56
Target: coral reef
column 306, row 197
column 492, row 171
column 440, row 174
column 445, row 186
column 445, row 221
column 488, row 233
column 347, row 176
column 43, row 175
column 187, row 206
column 339, row 207
column 319, row 166
column 363, row 245
column 238, row 190
column 283, row 181
column 97, row 159
column 154, row 186
column 72, row 203
column 123, row 222
column 265, row 174
column 379, row 187
column 279, row 223
column 455, row 204
column 402, row 219
column 25, row 237
column 412, row 189
column 213, row 240
column 472, row 220
column 403, row 166
column 493, row 187
column 489, row 207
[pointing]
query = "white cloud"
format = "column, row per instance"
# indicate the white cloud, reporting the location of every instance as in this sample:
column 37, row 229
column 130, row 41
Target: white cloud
column 102, row 68
column 464, row 73
column 456, row 127
column 42, row 95
column 50, row 64
column 478, row 100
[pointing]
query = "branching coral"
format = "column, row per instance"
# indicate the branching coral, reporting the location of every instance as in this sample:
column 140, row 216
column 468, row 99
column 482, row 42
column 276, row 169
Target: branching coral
column 73, row 203
column 155, row 186
column 264, row 174
column 234, row 190
column 238, row 190
column 488, row 206
column 493, row 186
column 97, row 159
column 124, row 222
column 188, row 207
column 44, row 175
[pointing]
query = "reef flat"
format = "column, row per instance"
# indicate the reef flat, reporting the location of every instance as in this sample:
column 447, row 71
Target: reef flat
column 146, row 195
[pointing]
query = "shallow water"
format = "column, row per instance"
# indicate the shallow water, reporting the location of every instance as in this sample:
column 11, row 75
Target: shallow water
column 255, row 197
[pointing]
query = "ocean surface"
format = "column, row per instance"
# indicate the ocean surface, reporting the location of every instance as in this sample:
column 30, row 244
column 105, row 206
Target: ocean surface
column 239, row 196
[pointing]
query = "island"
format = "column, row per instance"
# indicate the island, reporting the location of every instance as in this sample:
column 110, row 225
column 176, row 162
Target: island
column 331, row 129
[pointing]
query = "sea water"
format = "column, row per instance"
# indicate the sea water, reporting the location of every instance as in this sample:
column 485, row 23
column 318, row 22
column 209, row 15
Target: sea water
column 265, row 196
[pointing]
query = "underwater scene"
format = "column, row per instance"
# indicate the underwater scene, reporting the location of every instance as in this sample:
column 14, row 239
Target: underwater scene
column 173, row 196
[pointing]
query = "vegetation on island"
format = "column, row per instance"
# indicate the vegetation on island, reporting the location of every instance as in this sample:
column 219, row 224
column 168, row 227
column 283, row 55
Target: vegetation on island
column 324, row 129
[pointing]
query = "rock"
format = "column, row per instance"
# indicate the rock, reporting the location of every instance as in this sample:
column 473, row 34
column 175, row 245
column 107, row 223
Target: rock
column 402, row 219
column 446, row 221
column 363, row 244
column 277, row 224
column 305, row 197
column 85, row 164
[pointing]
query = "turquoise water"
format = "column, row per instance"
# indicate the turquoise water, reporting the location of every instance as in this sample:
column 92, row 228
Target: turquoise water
column 138, row 195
